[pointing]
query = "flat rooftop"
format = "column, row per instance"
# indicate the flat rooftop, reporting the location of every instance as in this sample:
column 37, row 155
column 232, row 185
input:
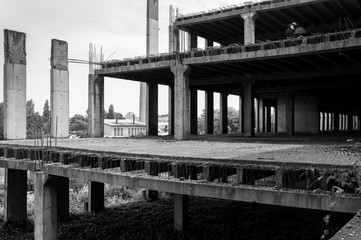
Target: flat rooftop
column 299, row 150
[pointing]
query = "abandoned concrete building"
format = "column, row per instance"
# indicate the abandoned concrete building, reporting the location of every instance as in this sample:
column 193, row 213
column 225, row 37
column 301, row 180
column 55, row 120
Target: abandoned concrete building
column 293, row 63
column 309, row 78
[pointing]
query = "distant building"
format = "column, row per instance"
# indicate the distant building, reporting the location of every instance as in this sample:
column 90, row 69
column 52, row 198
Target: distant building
column 123, row 128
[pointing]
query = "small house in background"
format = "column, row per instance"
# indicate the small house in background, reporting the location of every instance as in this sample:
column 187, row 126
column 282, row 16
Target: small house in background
column 123, row 128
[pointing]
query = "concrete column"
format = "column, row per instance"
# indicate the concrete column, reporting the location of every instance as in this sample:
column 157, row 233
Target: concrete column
column 194, row 111
column 151, row 49
column 240, row 117
column 96, row 106
column 14, row 85
column 173, row 32
column 62, row 197
column 59, row 89
column 152, row 109
column 15, row 195
column 336, row 122
column 182, row 101
column 224, row 112
column 45, row 206
column 260, row 115
column 192, row 41
column 95, row 196
column 171, row 109
column 180, row 212
column 209, row 112
column 268, row 119
column 208, row 42
column 249, row 27
column 248, row 109
column 290, row 112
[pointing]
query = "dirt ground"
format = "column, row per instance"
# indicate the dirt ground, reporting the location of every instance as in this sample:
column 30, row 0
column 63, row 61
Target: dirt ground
column 335, row 151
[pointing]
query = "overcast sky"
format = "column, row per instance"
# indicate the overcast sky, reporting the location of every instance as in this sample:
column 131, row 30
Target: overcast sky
column 117, row 25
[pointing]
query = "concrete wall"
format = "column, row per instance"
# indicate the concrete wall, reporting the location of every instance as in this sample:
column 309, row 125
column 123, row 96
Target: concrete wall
column 14, row 85
column 306, row 113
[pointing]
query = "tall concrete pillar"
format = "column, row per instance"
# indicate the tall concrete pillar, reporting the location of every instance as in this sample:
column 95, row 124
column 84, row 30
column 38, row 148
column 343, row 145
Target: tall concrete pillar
column 224, row 112
column 96, row 106
column 248, row 105
column 95, row 196
column 192, row 41
column 59, row 89
column 62, row 197
column 14, row 85
column 290, row 112
column 182, row 101
column 260, row 115
column 240, row 115
column 152, row 109
column 15, row 195
column 45, row 206
column 180, row 212
column 151, row 48
column 209, row 112
column 171, row 109
column 194, row 111
column 173, row 32
column 249, row 26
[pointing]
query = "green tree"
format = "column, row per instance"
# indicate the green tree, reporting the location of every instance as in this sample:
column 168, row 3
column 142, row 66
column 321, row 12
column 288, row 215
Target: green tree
column 110, row 114
column 46, row 117
column 233, row 121
column 78, row 125
column 34, row 122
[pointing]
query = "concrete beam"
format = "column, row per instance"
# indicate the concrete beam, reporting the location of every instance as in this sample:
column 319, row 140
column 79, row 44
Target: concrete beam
column 95, row 196
column 263, row 195
column 181, row 221
column 15, row 195
column 59, row 89
column 14, row 85
column 277, row 53
column 96, row 106
column 182, row 102
column 209, row 112
column 152, row 108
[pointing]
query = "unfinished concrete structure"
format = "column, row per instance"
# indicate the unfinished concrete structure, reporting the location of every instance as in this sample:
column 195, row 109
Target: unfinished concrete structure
column 59, row 89
column 281, row 76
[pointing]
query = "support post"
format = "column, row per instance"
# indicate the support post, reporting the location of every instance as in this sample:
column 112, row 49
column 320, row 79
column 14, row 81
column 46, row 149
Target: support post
column 240, row 115
column 209, row 114
column 171, row 109
column 151, row 49
column 45, row 217
column 260, row 115
column 15, row 195
column 180, row 212
column 182, row 101
column 14, row 85
column 224, row 112
column 290, row 112
column 249, row 26
column 249, row 109
column 173, row 32
column 192, row 41
column 59, row 89
column 96, row 106
column 95, row 196
column 152, row 109
column 194, row 111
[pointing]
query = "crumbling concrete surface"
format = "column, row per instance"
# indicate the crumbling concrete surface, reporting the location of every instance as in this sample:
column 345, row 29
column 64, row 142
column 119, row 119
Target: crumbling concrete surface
column 14, row 44
column 59, row 55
